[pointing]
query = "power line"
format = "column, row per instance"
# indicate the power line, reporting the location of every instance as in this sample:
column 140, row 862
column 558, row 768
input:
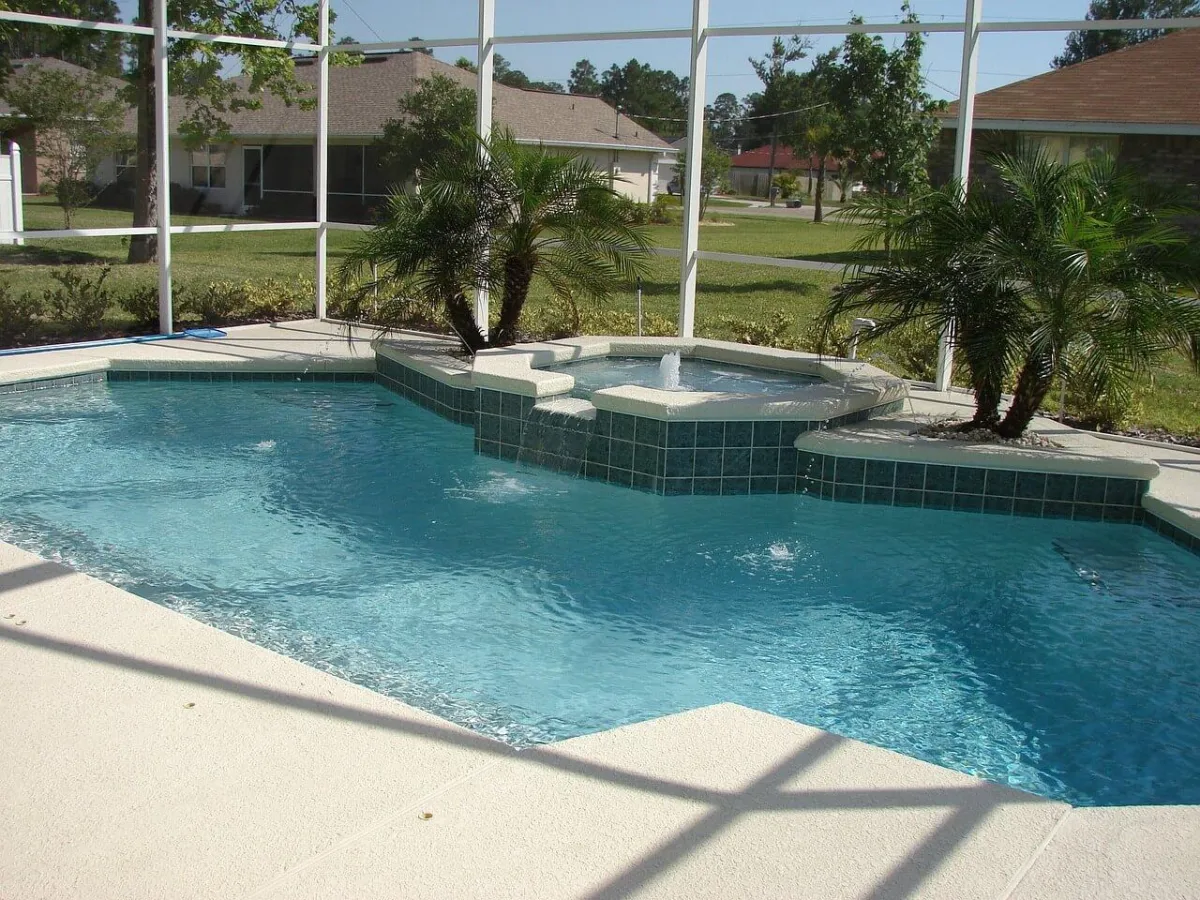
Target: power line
column 787, row 112
column 350, row 6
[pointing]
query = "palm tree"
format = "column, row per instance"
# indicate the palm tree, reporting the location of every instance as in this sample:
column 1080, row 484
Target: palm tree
column 497, row 219
column 1075, row 273
column 935, row 275
column 1104, row 273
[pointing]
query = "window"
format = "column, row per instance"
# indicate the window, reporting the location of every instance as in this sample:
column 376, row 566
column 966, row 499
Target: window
column 288, row 168
column 345, row 169
column 126, row 163
column 208, row 167
column 1073, row 148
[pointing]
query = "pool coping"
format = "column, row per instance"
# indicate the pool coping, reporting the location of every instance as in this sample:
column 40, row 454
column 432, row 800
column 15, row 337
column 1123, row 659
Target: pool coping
column 850, row 387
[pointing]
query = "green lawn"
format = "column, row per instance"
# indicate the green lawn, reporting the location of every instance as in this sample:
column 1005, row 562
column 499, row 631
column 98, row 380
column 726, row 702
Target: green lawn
column 734, row 301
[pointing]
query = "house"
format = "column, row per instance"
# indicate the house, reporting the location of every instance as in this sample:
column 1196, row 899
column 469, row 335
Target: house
column 1140, row 104
column 267, row 167
column 748, row 172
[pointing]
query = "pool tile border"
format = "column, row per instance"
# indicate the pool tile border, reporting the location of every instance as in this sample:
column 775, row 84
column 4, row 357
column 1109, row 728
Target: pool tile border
column 974, row 489
column 41, row 384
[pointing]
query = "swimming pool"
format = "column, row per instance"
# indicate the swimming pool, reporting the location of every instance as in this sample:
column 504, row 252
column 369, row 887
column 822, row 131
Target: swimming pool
column 345, row 527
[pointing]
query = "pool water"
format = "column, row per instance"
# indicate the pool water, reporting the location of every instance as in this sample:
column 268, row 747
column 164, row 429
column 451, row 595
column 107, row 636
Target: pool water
column 592, row 375
column 343, row 526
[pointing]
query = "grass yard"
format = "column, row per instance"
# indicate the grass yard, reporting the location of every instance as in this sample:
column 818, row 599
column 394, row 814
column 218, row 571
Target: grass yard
column 734, row 301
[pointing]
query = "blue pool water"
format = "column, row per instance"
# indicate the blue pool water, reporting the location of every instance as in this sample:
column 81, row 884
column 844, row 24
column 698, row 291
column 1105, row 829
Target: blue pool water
column 592, row 375
column 343, row 526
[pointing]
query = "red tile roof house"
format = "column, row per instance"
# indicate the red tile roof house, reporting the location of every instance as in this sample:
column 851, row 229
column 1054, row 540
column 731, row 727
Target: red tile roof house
column 1141, row 104
column 267, row 167
column 748, row 171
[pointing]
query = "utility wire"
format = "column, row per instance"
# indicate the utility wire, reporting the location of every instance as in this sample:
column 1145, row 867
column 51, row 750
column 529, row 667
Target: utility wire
column 357, row 15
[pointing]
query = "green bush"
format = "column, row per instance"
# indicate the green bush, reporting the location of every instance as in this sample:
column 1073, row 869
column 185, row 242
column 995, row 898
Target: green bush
column 633, row 212
column 911, row 351
column 834, row 341
column 273, row 299
column 142, row 305
column 544, row 322
column 216, row 303
column 663, row 210
column 788, row 184
column 775, row 332
column 1107, row 411
column 18, row 315
column 80, row 301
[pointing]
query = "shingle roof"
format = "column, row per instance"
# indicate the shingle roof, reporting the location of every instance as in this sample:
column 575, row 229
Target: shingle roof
column 1156, row 83
column 363, row 97
column 760, row 158
column 21, row 67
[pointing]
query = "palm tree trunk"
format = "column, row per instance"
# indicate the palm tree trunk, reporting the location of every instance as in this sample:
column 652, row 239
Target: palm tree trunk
column 462, row 320
column 1033, row 384
column 818, row 199
column 518, row 273
column 143, row 248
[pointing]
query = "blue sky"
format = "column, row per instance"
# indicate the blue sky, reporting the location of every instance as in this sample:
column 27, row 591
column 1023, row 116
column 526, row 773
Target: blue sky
column 1003, row 58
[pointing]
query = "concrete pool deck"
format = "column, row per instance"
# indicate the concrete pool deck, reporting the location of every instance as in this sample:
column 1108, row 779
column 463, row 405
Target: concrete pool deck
column 144, row 754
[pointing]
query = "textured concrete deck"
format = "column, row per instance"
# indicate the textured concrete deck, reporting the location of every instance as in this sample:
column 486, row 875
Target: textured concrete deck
column 145, row 755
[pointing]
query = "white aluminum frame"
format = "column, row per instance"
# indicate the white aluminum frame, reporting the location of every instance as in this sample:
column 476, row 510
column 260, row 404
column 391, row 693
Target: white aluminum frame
column 486, row 40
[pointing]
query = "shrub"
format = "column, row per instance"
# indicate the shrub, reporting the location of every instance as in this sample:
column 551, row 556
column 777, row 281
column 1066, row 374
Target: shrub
column 1107, row 411
column 788, row 184
column 662, row 210
column 273, row 299
column 81, row 301
column 545, row 322
column 911, row 351
column 633, row 212
column 775, row 332
column 142, row 305
column 216, row 303
column 834, row 341
column 18, row 315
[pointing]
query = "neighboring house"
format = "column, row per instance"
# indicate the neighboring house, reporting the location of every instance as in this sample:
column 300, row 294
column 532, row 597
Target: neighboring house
column 749, row 171
column 1141, row 104
column 33, row 164
column 667, row 172
column 268, row 165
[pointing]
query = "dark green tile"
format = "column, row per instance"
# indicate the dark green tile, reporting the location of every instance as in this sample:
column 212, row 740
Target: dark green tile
column 603, row 422
column 739, row 434
column 879, row 496
column 848, row 493
column 1060, row 487
column 710, row 434
column 708, row 463
column 1002, row 506
column 764, row 461
column 787, row 461
column 968, row 480
column 1001, row 483
column 904, row 497
column 736, row 463
column 598, row 471
column 968, row 502
column 488, row 448
column 649, row 431
column 708, row 486
column 1088, row 512
column 1031, row 486
column 620, row 455
column 510, row 431
column 910, row 476
column 489, row 428
column 850, row 471
column 938, row 500
column 789, row 431
column 677, row 487
column 1090, row 489
column 622, row 427
column 1057, row 509
column 880, row 473
column 622, row 477
column 681, row 434
column 735, row 487
column 806, row 485
column 645, row 482
column 680, row 463
column 766, row 434
column 1122, row 515
column 645, row 459
column 939, row 478
column 764, row 485
column 1121, row 492
column 597, row 450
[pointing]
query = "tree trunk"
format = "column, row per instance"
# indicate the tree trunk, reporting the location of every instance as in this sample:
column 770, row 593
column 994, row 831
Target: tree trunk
column 819, row 197
column 1033, row 384
column 518, row 273
column 810, row 181
column 771, row 166
column 144, row 248
column 462, row 320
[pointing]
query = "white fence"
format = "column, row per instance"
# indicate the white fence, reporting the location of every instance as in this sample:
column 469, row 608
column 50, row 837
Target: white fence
column 12, row 211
